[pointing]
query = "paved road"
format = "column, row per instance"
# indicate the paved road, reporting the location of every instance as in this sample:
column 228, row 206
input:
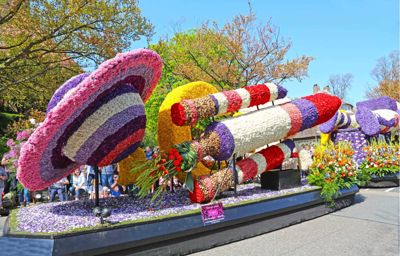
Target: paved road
column 370, row 227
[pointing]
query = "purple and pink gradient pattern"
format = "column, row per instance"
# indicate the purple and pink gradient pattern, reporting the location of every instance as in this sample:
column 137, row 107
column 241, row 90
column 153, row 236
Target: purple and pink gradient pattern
column 95, row 119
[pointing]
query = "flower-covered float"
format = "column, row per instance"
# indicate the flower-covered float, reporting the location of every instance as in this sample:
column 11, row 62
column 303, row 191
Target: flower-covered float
column 98, row 119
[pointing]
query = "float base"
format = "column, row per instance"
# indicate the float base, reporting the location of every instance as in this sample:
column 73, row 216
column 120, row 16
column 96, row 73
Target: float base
column 180, row 235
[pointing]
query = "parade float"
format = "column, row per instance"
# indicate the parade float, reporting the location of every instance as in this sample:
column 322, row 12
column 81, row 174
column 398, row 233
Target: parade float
column 98, row 119
column 373, row 132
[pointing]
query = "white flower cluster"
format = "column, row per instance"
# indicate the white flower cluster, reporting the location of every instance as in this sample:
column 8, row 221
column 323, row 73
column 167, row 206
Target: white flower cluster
column 256, row 129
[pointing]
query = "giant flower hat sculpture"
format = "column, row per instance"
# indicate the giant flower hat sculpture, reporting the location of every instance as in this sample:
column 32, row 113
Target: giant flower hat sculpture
column 96, row 119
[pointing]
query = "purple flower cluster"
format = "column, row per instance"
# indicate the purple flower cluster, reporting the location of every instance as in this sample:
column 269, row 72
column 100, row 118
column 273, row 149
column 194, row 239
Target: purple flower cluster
column 59, row 217
column 378, row 103
column 357, row 140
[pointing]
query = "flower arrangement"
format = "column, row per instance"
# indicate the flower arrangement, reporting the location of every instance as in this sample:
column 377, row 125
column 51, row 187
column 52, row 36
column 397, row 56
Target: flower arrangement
column 357, row 140
column 334, row 168
column 241, row 134
column 381, row 158
column 206, row 187
column 374, row 122
column 95, row 119
column 378, row 116
column 170, row 134
column 180, row 159
column 341, row 120
column 245, row 133
column 125, row 166
column 189, row 112
column 10, row 159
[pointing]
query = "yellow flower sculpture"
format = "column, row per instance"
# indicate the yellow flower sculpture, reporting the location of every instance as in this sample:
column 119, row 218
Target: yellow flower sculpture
column 125, row 166
column 168, row 133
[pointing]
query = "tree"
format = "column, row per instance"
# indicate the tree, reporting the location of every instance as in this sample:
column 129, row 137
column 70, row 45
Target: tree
column 387, row 75
column 240, row 53
column 43, row 43
column 340, row 84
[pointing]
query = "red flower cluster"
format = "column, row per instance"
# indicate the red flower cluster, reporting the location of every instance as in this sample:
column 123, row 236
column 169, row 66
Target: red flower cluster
column 176, row 159
column 259, row 94
column 178, row 114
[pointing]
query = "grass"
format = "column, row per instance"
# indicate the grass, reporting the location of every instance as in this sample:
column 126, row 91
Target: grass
column 14, row 220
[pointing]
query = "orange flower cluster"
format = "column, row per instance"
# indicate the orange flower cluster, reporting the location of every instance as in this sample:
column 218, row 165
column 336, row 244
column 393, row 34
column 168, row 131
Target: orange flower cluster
column 381, row 158
column 335, row 160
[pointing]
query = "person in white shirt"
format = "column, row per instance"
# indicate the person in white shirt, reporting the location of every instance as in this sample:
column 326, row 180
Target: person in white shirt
column 305, row 161
column 78, row 184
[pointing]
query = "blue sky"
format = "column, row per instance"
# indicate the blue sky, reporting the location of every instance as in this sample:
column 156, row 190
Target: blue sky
column 343, row 36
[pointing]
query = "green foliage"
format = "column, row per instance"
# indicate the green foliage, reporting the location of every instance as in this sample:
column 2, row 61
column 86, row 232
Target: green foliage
column 6, row 119
column 44, row 43
column 3, row 146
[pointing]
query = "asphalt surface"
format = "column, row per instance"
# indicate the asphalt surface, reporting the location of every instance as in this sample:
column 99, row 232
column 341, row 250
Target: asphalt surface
column 369, row 227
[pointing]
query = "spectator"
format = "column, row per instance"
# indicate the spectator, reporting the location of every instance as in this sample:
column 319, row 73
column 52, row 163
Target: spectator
column 78, row 184
column 92, row 190
column 90, row 176
column 107, row 173
column 305, row 160
column 59, row 188
column 24, row 197
column 105, row 192
column 149, row 153
column 116, row 188
column 3, row 178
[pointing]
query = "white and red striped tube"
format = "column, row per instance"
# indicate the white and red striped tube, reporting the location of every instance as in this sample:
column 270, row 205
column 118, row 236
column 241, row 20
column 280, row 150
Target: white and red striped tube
column 270, row 158
column 188, row 112
column 245, row 133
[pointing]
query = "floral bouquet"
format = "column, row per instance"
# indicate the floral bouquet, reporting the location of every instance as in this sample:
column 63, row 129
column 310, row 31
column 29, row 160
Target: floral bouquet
column 164, row 166
column 334, row 168
column 381, row 158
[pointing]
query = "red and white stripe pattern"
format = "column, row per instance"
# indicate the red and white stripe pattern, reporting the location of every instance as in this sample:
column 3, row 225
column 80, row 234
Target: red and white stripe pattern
column 190, row 111
column 267, row 159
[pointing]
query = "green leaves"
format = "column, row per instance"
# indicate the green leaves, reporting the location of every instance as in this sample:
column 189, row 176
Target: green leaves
column 47, row 42
column 189, row 182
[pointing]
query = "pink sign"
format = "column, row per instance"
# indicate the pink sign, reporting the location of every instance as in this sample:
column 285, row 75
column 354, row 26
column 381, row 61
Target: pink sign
column 212, row 213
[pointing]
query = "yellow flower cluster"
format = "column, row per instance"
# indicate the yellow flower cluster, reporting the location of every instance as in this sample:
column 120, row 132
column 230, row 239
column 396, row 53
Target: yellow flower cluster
column 168, row 133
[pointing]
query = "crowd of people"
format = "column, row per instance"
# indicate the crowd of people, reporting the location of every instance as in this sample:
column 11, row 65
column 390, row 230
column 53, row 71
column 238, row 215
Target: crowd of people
column 80, row 184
